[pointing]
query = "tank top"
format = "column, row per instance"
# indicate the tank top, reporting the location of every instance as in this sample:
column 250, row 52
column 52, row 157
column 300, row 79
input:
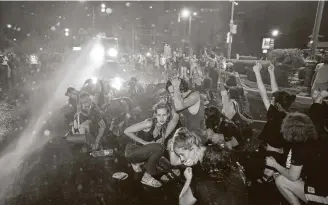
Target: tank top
column 195, row 123
column 149, row 136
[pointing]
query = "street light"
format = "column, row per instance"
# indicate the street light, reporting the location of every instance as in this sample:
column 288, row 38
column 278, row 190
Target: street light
column 103, row 5
column 185, row 13
column 9, row 25
column 66, row 30
column 229, row 35
column 275, row 33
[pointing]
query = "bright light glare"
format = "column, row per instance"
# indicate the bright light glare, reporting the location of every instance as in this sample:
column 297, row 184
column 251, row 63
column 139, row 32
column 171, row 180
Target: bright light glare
column 148, row 54
column 103, row 6
column 117, row 83
column 112, row 52
column 311, row 42
column 103, row 9
column 97, row 53
column 66, row 30
column 195, row 13
column 66, row 34
column 94, row 80
column 275, row 33
column 9, row 25
column 76, row 48
column 185, row 13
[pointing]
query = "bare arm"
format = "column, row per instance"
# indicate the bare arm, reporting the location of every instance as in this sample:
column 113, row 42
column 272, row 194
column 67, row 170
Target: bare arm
column 293, row 173
column 180, row 103
column 261, row 86
column 186, row 197
column 102, row 127
column 274, row 85
column 130, row 131
column 172, row 124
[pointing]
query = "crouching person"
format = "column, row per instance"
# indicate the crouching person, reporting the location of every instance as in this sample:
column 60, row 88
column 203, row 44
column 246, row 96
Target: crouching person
column 94, row 127
column 214, row 178
column 150, row 146
column 307, row 178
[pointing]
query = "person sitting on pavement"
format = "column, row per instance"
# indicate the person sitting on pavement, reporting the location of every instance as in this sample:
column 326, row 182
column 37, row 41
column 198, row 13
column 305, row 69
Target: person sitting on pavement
column 191, row 107
column 307, row 178
column 221, row 130
column 155, row 131
column 212, row 177
column 318, row 112
column 274, row 143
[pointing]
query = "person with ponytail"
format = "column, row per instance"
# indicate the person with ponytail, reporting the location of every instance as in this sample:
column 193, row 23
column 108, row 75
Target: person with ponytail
column 149, row 148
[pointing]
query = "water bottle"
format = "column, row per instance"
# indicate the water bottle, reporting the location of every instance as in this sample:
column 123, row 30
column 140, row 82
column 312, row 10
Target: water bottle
column 102, row 153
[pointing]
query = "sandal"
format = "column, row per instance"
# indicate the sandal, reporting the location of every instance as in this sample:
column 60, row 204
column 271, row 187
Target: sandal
column 176, row 172
column 151, row 181
column 165, row 178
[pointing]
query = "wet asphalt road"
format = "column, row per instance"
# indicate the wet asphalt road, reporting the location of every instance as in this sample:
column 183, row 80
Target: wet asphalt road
column 65, row 175
column 62, row 174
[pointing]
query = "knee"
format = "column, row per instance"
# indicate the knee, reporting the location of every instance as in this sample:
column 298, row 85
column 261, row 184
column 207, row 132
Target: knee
column 281, row 181
column 157, row 148
column 128, row 150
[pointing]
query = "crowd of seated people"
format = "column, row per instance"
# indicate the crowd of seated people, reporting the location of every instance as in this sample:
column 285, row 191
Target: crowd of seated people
column 206, row 141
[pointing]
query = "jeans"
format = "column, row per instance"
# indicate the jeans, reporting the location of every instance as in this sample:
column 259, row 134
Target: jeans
column 150, row 153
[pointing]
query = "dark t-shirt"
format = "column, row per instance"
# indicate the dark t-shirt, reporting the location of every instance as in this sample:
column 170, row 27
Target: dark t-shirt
column 210, row 188
column 319, row 116
column 95, row 117
column 271, row 132
column 73, row 103
column 313, row 156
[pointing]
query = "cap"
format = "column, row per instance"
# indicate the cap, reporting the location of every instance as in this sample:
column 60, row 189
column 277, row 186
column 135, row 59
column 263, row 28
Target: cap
column 70, row 89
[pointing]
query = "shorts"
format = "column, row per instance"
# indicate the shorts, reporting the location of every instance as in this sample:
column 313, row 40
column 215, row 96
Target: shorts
column 315, row 196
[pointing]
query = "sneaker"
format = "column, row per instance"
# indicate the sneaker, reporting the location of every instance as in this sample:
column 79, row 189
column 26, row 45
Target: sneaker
column 136, row 168
column 151, row 181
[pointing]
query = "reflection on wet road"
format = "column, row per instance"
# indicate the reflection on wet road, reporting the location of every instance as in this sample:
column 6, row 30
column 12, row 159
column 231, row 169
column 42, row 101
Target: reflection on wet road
column 65, row 175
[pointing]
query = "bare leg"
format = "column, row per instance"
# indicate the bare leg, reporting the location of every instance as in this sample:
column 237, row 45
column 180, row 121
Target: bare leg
column 291, row 190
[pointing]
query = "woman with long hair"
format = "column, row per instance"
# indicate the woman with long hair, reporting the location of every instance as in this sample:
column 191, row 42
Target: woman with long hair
column 215, row 178
column 150, row 147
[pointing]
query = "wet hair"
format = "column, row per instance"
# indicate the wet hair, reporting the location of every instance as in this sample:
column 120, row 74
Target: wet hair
column 183, row 85
column 284, row 99
column 219, row 159
column 162, row 105
column 185, row 139
column 298, row 128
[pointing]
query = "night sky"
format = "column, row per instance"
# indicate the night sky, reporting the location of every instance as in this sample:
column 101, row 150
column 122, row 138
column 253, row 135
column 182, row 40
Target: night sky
column 255, row 20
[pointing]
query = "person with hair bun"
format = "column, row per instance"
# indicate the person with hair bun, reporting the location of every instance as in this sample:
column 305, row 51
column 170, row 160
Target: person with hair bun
column 151, row 145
